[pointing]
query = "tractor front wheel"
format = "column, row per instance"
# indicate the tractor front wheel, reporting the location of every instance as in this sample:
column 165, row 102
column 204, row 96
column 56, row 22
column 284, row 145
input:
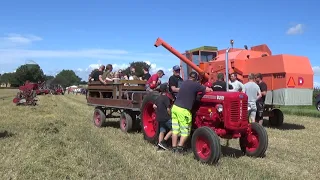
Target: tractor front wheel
column 318, row 106
column 125, row 122
column 99, row 117
column 276, row 119
column 206, row 146
column 255, row 142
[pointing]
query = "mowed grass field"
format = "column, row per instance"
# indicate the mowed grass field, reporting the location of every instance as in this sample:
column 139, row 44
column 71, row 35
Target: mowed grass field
column 57, row 140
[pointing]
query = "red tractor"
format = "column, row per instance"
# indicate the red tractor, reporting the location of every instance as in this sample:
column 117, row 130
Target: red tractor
column 216, row 114
column 27, row 94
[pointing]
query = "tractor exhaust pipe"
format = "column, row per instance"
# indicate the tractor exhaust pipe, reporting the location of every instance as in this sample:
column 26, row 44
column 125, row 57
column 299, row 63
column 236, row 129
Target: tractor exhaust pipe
column 227, row 69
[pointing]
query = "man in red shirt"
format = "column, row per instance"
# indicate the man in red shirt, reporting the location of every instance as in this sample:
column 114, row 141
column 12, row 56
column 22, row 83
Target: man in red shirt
column 154, row 81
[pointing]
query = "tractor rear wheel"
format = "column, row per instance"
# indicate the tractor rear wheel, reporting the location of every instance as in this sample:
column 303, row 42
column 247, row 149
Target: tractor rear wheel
column 254, row 144
column 206, row 146
column 149, row 125
column 125, row 122
column 276, row 119
column 99, row 117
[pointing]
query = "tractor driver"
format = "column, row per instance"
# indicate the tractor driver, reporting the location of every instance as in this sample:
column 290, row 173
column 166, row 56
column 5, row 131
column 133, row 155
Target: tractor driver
column 181, row 110
column 175, row 81
column 220, row 84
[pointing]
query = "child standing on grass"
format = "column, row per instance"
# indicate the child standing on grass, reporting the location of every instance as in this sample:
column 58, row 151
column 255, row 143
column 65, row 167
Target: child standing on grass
column 163, row 116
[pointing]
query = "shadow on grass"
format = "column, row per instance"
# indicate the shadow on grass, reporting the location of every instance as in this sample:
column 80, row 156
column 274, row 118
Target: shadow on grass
column 284, row 126
column 231, row 152
column 5, row 134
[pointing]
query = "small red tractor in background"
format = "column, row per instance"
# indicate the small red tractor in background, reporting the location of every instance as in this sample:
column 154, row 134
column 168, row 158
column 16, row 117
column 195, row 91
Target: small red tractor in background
column 27, row 94
column 57, row 90
column 42, row 89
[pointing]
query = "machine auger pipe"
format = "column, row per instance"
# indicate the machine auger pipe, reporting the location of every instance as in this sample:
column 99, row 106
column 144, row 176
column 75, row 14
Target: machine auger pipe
column 201, row 72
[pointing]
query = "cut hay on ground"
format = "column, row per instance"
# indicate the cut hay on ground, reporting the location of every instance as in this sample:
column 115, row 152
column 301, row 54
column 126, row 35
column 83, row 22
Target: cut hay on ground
column 57, row 140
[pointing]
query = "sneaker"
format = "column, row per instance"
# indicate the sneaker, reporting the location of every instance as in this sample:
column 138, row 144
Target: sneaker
column 159, row 149
column 181, row 150
column 162, row 145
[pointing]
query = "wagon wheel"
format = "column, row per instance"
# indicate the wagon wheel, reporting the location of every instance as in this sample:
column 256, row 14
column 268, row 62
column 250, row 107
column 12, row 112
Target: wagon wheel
column 206, row 146
column 99, row 117
column 254, row 143
column 149, row 125
column 125, row 122
column 277, row 118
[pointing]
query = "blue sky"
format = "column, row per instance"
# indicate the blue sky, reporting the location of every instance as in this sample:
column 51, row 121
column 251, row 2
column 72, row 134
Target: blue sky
column 76, row 35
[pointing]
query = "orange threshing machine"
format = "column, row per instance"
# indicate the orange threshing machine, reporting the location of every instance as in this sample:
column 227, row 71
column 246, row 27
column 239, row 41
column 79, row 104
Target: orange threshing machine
column 289, row 78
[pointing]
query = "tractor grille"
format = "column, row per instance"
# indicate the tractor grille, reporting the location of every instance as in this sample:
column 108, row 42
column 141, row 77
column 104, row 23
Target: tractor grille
column 238, row 110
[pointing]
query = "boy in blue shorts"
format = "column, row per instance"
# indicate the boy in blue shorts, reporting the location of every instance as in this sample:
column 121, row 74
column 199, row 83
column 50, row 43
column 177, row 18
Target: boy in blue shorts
column 163, row 112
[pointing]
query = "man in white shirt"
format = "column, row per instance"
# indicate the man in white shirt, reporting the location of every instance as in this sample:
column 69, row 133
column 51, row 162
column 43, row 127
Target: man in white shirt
column 237, row 85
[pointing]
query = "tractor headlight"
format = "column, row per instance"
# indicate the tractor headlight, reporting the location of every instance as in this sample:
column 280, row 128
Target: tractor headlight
column 219, row 108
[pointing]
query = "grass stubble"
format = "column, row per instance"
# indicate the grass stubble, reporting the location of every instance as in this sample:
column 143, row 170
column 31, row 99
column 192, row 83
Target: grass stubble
column 57, row 140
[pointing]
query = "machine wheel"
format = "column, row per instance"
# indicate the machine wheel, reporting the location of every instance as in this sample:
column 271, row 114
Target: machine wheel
column 254, row 144
column 99, row 117
column 318, row 106
column 205, row 145
column 277, row 118
column 125, row 122
column 149, row 125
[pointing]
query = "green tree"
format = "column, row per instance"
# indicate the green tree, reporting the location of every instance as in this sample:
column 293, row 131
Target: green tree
column 9, row 78
column 60, row 80
column 69, row 76
column 138, row 67
column 31, row 72
column 48, row 77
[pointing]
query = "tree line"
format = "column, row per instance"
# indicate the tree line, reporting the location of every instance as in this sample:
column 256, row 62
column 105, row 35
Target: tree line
column 34, row 73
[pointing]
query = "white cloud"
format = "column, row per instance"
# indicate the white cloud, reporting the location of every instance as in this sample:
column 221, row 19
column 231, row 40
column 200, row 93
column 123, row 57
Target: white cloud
column 316, row 70
column 8, row 56
column 14, row 40
column 297, row 29
column 316, row 84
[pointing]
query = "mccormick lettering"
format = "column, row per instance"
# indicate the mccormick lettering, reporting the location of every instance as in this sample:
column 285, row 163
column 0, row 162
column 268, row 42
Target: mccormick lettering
column 213, row 97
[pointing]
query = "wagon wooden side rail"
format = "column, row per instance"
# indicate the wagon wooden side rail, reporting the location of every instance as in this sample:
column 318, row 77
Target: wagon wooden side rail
column 126, row 94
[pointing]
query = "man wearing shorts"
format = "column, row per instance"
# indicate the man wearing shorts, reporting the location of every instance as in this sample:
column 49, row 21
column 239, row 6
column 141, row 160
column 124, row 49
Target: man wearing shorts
column 181, row 110
column 253, row 92
column 163, row 116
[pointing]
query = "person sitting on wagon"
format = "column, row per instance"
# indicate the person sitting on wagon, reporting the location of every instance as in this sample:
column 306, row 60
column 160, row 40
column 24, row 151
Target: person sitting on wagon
column 220, row 84
column 154, row 81
column 107, row 75
column 146, row 75
column 97, row 75
column 163, row 116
